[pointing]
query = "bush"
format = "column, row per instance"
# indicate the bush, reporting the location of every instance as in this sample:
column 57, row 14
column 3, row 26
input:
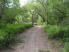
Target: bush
column 65, row 34
column 2, row 23
column 54, row 31
column 8, row 33
column 41, row 23
column 46, row 28
column 44, row 23
column 59, row 32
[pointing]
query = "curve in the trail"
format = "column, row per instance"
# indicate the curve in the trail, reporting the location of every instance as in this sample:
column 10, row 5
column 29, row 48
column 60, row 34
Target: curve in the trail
column 35, row 41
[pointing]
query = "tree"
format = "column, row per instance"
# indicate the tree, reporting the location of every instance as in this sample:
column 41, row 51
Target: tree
column 9, row 10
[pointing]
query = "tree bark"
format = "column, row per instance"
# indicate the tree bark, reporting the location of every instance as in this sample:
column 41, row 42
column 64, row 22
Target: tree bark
column 32, row 18
column 2, row 9
column 47, row 13
column 41, row 16
column 0, row 17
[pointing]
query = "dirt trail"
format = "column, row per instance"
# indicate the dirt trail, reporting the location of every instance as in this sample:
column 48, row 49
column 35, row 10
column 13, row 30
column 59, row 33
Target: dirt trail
column 35, row 41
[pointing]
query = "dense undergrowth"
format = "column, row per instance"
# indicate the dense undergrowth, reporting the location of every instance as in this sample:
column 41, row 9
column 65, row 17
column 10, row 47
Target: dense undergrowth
column 40, row 23
column 8, row 33
column 60, row 33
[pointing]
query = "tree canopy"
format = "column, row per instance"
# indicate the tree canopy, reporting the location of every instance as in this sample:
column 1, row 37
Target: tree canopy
column 50, row 11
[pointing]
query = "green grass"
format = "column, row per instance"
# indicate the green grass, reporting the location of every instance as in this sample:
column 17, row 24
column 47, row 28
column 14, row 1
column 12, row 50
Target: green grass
column 52, row 31
column 60, row 33
column 40, row 23
column 43, row 51
column 66, row 48
column 8, row 33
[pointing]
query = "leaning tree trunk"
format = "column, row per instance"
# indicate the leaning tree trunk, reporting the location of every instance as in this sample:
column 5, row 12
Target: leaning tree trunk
column 43, row 19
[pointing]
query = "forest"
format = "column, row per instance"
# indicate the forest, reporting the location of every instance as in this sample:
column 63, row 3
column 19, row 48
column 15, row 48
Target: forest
column 52, row 14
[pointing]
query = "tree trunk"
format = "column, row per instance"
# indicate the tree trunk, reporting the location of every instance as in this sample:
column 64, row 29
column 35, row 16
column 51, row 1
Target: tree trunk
column 43, row 19
column 32, row 20
column 0, row 17
column 47, row 13
column 2, row 8
column 47, row 18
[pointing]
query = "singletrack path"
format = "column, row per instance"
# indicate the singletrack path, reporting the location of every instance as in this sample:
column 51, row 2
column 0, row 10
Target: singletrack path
column 35, row 41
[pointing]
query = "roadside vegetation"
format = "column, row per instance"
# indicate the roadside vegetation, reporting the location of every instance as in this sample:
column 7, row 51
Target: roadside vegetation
column 8, row 34
column 59, row 33
column 12, row 21
column 15, row 19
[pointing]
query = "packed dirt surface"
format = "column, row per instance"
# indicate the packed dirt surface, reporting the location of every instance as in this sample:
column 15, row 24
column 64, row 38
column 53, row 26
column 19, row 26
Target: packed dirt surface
column 35, row 41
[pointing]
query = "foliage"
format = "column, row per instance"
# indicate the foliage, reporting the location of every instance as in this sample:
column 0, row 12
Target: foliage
column 40, row 23
column 41, row 12
column 9, row 9
column 66, row 47
column 58, row 32
column 8, row 33
column 53, row 31
column 2, row 23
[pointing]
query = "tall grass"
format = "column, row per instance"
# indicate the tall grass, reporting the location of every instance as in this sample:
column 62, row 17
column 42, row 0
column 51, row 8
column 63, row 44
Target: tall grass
column 8, row 33
column 60, row 33
column 52, row 31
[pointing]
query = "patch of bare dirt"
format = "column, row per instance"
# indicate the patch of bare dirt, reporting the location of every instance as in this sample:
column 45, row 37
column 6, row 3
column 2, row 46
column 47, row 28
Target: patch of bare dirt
column 35, row 41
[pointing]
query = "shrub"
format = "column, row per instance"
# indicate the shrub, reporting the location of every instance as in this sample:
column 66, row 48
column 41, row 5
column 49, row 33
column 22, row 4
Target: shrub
column 46, row 28
column 59, row 32
column 2, row 23
column 52, row 31
column 65, row 34
column 8, row 33
column 44, row 23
